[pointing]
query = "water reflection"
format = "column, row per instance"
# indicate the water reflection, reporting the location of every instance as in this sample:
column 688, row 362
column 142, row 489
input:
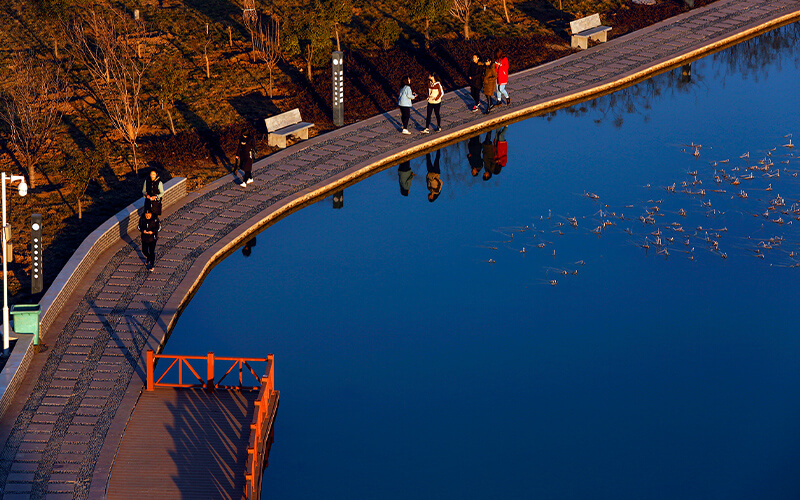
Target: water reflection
column 247, row 249
column 405, row 176
column 433, row 180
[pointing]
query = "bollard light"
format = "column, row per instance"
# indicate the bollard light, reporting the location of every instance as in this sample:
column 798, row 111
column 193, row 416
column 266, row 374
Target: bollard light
column 337, row 63
column 37, row 278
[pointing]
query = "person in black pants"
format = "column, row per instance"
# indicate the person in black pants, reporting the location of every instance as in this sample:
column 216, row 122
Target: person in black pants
column 244, row 157
column 149, row 225
column 476, row 71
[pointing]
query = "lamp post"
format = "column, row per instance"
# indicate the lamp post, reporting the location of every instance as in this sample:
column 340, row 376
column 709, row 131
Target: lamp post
column 23, row 190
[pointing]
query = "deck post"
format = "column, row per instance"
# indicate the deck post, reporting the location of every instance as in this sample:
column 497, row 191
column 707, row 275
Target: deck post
column 210, row 383
column 150, row 383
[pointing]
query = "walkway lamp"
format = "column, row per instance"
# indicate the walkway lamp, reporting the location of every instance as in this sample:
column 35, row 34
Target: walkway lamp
column 23, row 190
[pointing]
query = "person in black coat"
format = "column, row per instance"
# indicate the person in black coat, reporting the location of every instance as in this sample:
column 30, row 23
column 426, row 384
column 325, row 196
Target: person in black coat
column 244, row 157
column 153, row 191
column 149, row 225
column 476, row 71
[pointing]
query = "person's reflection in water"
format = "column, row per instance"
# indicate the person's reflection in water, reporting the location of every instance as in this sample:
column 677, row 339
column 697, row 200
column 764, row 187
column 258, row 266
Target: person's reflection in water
column 405, row 176
column 433, row 179
column 488, row 157
column 474, row 154
column 500, row 150
column 247, row 249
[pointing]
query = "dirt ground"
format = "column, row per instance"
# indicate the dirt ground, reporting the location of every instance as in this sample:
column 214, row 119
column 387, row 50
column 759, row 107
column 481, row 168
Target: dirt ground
column 211, row 111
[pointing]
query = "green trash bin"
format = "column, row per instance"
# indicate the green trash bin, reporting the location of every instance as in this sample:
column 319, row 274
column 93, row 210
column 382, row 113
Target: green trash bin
column 26, row 319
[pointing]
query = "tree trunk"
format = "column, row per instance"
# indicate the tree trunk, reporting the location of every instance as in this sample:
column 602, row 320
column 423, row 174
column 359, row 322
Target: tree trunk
column 505, row 9
column 108, row 73
column 336, row 30
column 80, row 208
column 230, row 37
column 308, row 60
column 466, row 26
column 171, row 123
column 270, row 82
column 55, row 48
column 427, row 33
column 208, row 68
column 135, row 160
column 31, row 174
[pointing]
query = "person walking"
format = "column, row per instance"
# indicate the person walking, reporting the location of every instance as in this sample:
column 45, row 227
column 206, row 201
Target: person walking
column 476, row 71
column 153, row 191
column 434, row 177
column 149, row 225
column 435, row 94
column 501, row 61
column 489, row 83
column 244, row 157
column 405, row 100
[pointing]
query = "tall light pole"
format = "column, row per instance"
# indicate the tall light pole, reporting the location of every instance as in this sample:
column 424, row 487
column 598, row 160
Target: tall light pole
column 23, row 190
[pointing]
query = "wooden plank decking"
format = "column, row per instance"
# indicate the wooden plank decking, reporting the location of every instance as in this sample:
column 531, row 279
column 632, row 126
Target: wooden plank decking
column 185, row 443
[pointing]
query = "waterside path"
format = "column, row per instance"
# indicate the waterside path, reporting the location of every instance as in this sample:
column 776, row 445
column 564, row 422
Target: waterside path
column 61, row 433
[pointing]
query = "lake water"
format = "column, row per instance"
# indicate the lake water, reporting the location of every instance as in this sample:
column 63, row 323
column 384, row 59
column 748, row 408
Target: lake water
column 421, row 354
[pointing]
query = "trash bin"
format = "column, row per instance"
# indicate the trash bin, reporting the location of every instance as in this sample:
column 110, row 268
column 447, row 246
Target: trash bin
column 26, row 319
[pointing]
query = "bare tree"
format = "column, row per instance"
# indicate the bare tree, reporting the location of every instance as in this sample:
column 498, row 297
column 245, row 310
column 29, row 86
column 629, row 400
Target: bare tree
column 80, row 170
column 109, row 44
column 35, row 95
column 461, row 10
column 265, row 35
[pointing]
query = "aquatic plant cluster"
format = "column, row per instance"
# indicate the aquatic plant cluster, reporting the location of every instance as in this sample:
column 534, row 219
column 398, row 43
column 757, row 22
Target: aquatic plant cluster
column 725, row 208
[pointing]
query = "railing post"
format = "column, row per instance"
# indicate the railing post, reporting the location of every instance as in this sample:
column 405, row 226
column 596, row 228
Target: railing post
column 210, row 383
column 150, row 383
column 271, row 372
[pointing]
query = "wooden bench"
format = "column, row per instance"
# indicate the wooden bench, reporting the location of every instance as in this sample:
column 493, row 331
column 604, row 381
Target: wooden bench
column 281, row 126
column 588, row 28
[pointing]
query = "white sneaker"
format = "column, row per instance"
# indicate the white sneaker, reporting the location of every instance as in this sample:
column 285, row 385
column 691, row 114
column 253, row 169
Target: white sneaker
column 244, row 184
column 406, row 132
column 426, row 131
column 249, row 180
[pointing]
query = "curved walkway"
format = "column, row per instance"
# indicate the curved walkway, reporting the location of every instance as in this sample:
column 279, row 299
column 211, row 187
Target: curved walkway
column 62, row 431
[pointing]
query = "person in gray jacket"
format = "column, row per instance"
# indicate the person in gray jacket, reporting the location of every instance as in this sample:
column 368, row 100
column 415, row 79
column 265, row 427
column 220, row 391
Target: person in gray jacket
column 405, row 176
column 404, row 101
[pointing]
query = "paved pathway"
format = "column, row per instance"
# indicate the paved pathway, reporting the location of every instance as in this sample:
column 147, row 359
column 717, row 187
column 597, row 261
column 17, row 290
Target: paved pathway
column 61, row 435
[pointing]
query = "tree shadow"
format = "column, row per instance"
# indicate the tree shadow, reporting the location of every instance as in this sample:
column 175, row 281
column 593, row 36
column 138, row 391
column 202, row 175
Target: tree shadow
column 548, row 15
column 254, row 107
column 209, row 137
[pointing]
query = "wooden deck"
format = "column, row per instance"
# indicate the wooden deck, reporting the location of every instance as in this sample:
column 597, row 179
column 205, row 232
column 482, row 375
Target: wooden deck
column 185, row 443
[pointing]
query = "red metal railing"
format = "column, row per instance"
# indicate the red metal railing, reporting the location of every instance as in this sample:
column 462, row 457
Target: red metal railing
column 210, row 382
column 261, row 431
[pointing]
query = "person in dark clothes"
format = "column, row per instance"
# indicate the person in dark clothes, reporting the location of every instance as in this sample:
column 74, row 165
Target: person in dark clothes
column 488, row 157
column 475, row 149
column 476, row 71
column 405, row 175
column 244, row 157
column 149, row 225
column 489, row 83
column 153, row 191
column 434, row 178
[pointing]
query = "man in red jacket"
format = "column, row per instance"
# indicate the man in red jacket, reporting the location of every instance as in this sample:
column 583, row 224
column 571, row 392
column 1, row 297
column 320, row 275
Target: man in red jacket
column 501, row 62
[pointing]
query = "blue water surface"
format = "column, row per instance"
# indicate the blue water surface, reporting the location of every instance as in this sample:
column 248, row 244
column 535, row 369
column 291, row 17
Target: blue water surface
column 421, row 354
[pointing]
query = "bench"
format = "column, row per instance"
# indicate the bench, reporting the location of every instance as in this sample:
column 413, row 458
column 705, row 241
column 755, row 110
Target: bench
column 281, row 126
column 588, row 28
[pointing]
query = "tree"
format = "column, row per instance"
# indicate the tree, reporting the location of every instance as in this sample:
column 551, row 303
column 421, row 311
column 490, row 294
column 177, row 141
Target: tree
column 461, row 10
column 35, row 94
column 109, row 45
column 82, row 169
column 265, row 35
column 428, row 11
column 309, row 35
column 339, row 12
column 171, row 84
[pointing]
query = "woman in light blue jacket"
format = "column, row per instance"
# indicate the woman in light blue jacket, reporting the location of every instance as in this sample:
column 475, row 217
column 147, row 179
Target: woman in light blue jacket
column 406, row 95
